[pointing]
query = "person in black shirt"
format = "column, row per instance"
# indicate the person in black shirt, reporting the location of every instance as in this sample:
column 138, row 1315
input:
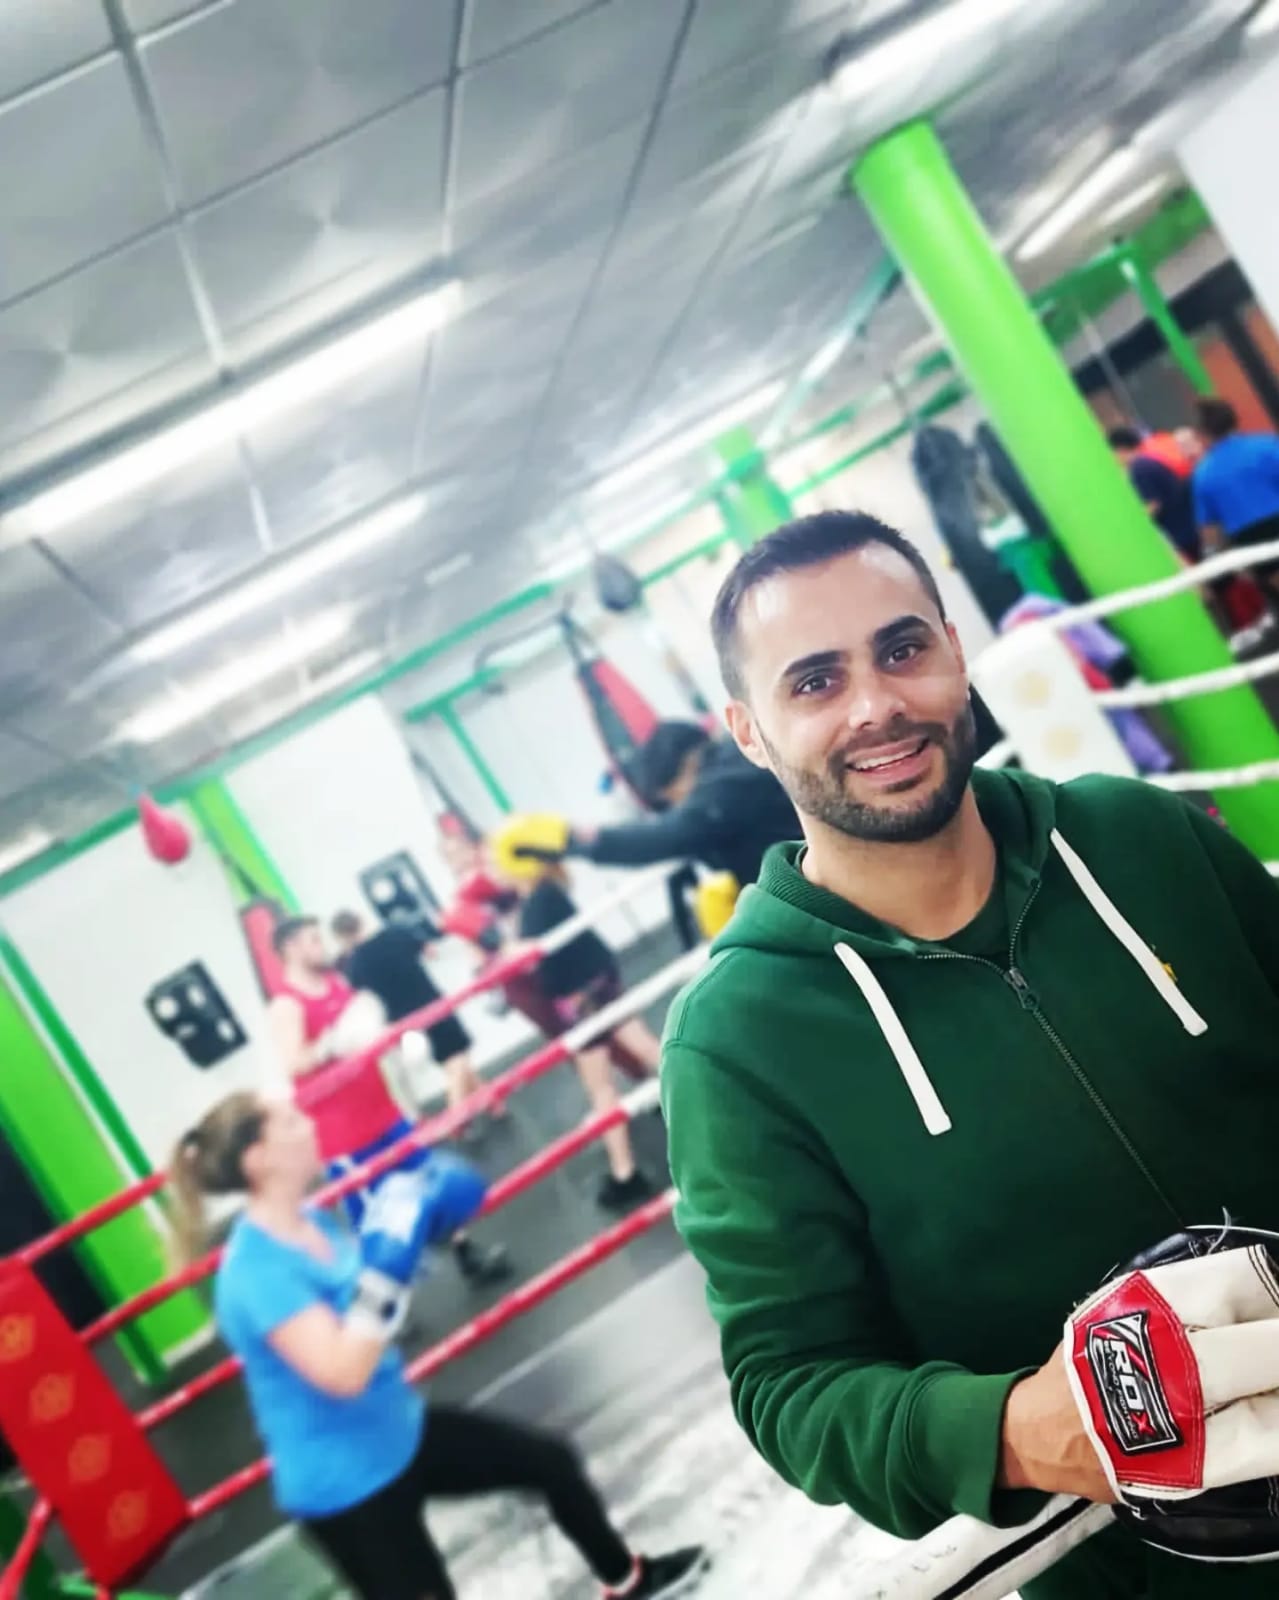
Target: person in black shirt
column 580, row 979
column 388, row 963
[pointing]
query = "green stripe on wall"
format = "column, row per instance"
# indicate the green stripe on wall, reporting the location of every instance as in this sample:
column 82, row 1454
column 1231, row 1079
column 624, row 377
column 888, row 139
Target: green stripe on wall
column 72, row 1168
column 243, row 854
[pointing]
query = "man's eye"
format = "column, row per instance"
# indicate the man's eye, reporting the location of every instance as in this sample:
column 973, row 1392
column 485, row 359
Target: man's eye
column 815, row 683
column 901, row 653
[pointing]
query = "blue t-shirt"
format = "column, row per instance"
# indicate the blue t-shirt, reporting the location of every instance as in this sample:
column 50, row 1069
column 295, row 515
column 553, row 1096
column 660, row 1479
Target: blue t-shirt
column 327, row 1453
column 1237, row 482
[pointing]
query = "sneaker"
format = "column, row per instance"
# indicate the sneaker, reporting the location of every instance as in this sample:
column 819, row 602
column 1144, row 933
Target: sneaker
column 481, row 1264
column 620, row 1194
column 668, row 1575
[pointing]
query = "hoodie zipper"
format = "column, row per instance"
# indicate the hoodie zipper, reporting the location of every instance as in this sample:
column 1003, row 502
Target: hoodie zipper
column 1016, row 980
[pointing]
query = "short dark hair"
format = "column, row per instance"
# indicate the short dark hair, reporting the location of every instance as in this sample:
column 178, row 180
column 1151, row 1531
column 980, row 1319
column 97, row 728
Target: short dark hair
column 345, row 924
column 1215, row 417
column 288, row 929
column 658, row 760
column 806, row 542
column 1124, row 438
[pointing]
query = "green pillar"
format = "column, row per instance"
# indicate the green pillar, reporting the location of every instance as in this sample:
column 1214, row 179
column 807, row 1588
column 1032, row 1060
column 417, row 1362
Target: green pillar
column 44, row 1120
column 1156, row 307
column 244, row 856
column 916, row 200
column 751, row 501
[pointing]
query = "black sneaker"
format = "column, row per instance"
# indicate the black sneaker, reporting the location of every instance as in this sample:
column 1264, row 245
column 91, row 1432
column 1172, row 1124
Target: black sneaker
column 669, row 1575
column 481, row 1264
column 620, row 1194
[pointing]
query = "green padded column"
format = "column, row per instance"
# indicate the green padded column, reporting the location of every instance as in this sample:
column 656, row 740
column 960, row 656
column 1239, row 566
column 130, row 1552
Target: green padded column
column 243, row 854
column 751, row 501
column 926, row 218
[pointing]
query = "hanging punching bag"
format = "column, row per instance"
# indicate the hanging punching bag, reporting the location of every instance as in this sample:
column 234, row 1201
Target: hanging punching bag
column 622, row 717
column 165, row 834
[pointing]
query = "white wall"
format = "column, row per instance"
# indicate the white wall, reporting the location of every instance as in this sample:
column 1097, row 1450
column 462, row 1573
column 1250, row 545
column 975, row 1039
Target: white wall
column 885, row 485
column 1229, row 157
column 98, row 933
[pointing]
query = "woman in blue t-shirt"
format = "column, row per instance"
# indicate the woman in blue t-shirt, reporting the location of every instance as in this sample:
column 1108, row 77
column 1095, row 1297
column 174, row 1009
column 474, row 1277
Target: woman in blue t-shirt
column 311, row 1311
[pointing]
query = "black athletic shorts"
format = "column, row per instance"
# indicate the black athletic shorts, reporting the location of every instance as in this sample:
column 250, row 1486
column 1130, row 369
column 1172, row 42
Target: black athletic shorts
column 1264, row 532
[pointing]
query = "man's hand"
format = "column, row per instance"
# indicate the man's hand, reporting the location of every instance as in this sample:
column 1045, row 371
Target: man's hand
column 1044, row 1445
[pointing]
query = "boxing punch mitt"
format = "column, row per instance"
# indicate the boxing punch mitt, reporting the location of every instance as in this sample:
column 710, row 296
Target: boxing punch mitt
column 523, row 845
column 1174, row 1365
column 713, row 902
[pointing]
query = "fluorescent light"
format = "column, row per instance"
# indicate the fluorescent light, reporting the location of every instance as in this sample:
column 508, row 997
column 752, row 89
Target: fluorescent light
column 286, row 575
column 21, row 849
column 345, row 672
column 1080, row 203
column 681, row 445
column 918, row 46
column 1135, row 200
column 247, row 672
column 1263, row 23
column 293, row 385
column 449, row 569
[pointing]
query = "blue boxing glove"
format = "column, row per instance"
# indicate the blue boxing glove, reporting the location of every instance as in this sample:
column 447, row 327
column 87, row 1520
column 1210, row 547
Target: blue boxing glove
column 408, row 1212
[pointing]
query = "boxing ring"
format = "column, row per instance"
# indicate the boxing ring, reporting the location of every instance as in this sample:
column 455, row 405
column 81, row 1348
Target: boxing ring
column 1056, row 724
column 118, row 1526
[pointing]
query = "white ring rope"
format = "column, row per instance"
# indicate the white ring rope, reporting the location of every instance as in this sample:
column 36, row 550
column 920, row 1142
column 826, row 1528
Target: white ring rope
column 1228, row 778
column 1153, row 694
column 1165, row 588
column 632, row 884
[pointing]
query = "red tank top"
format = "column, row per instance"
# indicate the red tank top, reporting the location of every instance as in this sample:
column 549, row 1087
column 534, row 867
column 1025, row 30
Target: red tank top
column 347, row 1100
column 320, row 1011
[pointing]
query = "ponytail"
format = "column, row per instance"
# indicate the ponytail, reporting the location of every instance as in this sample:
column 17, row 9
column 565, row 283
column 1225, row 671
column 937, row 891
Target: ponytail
column 210, row 1160
column 190, row 1223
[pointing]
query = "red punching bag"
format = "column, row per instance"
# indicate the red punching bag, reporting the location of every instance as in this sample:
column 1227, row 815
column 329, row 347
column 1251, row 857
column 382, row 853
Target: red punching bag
column 166, row 836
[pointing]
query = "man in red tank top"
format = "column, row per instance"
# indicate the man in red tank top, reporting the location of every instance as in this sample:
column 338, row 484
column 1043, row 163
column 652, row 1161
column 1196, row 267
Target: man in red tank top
column 319, row 1025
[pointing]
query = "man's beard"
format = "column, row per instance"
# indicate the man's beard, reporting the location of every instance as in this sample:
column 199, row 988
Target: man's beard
column 823, row 795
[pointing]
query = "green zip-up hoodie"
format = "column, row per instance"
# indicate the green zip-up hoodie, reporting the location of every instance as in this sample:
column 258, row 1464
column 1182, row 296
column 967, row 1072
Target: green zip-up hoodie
column 901, row 1163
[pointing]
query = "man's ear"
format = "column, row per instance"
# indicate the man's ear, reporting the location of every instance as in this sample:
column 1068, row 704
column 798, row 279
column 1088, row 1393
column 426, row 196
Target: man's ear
column 952, row 633
column 742, row 727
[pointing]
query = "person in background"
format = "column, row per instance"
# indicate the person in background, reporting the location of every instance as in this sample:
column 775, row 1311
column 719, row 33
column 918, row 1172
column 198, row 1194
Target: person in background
column 313, row 1315
column 580, row 979
column 388, row 963
column 1164, row 491
column 1236, row 487
column 318, row 1018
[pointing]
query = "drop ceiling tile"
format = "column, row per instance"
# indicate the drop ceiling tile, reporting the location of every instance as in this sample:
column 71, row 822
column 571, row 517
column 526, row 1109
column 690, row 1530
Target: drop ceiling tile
column 23, row 764
column 330, row 460
column 41, row 38
column 50, row 630
column 561, row 93
column 329, row 229
column 70, row 193
column 145, row 15
column 157, row 552
column 497, row 25
column 94, row 337
column 725, row 33
column 244, row 87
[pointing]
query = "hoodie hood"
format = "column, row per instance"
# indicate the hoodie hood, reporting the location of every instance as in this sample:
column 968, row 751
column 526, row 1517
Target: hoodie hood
column 784, row 912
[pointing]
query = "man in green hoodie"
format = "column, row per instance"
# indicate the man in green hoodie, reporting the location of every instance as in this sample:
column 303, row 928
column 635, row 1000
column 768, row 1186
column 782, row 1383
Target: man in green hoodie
column 976, row 1041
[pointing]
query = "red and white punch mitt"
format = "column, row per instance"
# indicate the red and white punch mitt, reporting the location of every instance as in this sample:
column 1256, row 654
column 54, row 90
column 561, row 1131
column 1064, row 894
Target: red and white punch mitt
column 1174, row 1364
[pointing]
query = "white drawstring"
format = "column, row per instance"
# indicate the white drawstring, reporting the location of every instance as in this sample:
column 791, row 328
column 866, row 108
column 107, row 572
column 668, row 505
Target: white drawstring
column 912, row 1069
column 890, row 1025
column 1131, row 940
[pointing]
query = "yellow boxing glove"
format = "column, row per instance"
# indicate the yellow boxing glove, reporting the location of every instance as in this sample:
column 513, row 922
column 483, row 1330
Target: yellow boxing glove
column 713, row 902
column 522, row 846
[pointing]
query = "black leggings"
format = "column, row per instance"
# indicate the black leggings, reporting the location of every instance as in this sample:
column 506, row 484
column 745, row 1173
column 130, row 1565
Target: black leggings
column 382, row 1547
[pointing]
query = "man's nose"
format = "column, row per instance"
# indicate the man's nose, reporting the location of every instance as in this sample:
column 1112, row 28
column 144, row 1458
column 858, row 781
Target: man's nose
column 875, row 702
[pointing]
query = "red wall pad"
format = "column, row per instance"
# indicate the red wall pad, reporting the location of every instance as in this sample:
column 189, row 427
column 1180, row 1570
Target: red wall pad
column 76, row 1439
